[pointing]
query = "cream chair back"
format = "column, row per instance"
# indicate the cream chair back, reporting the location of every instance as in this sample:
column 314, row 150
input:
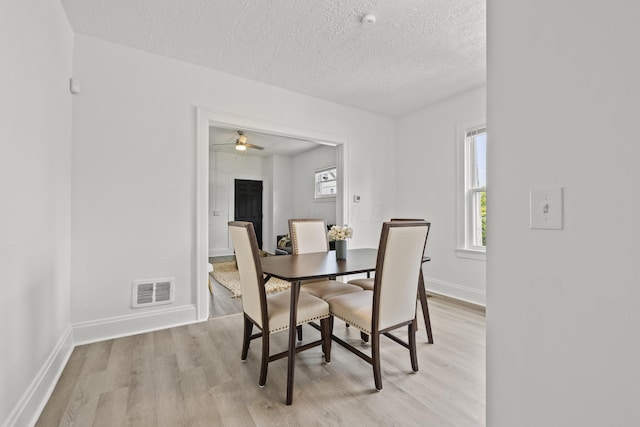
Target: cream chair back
column 245, row 245
column 308, row 236
column 398, row 267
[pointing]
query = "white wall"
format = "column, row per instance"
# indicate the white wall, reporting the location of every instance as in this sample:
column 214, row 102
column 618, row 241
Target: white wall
column 303, row 186
column 282, row 201
column 224, row 169
column 562, row 306
column 35, row 188
column 427, row 188
column 134, row 141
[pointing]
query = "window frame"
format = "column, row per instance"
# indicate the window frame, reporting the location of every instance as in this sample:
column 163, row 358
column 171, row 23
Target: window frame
column 317, row 195
column 467, row 192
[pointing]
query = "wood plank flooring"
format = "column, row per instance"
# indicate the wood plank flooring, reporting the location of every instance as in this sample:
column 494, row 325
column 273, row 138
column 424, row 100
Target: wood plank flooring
column 221, row 303
column 192, row 376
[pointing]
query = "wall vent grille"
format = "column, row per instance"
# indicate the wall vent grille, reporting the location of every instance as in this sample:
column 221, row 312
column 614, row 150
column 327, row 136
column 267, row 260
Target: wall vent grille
column 149, row 292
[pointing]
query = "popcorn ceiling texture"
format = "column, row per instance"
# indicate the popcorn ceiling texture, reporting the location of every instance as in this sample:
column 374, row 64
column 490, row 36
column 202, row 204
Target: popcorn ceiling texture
column 418, row 51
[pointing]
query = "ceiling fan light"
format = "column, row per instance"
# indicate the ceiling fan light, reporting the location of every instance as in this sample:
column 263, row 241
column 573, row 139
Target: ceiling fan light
column 241, row 147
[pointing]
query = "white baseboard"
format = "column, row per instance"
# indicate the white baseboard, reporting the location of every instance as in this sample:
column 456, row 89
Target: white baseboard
column 441, row 287
column 132, row 324
column 220, row 252
column 34, row 399
column 453, row 290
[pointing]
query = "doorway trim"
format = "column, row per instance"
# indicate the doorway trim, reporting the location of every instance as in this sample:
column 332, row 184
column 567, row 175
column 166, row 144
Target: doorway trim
column 204, row 119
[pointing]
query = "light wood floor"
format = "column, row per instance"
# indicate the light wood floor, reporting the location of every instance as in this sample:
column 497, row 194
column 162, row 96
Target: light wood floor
column 221, row 303
column 192, row 376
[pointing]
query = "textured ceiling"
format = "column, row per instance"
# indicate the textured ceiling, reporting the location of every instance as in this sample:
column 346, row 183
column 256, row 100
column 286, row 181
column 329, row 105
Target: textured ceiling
column 417, row 52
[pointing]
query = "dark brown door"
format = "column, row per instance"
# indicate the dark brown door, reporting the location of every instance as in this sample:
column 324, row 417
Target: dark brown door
column 248, row 204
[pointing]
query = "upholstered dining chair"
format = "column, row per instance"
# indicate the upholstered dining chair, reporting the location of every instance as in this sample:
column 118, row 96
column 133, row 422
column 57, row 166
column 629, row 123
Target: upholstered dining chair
column 269, row 313
column 392, row 303
column 367, row 285
column 309, row 236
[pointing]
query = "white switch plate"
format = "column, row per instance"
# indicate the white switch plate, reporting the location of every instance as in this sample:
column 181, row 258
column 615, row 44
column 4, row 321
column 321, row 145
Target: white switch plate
column 74, row 85
column 547, row 205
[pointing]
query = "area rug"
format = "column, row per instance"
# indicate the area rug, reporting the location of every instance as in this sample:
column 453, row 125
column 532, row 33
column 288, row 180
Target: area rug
column 227, row 275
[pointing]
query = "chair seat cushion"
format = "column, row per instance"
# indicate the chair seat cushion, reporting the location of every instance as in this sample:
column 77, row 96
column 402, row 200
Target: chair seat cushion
column 326, row 289
column 366, row 284
column 309, row 308
column 354, row 308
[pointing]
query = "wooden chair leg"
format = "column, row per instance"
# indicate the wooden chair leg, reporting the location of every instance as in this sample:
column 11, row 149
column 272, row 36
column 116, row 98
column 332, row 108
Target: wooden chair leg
column 326, row 329
column 412, row 345
column 422, row 294
column 248, row 328
column 299, row 331
column 375, row 356
column 264, row 364
column 364, row 337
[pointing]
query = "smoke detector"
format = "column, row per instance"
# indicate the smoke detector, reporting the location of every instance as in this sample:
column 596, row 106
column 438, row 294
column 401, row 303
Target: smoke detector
column 368, row 19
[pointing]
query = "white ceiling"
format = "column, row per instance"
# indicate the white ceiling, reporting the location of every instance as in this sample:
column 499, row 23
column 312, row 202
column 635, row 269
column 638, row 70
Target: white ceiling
column 417, row 52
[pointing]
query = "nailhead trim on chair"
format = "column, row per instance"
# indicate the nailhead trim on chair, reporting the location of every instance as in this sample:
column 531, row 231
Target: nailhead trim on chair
column 363, row 329
column 294, row 233
column 299, row 323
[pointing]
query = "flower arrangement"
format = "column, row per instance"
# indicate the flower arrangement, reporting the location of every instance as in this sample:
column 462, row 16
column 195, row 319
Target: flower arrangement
column 340, row 233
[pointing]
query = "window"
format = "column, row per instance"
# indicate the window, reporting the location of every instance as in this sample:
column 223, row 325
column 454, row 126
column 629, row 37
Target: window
column 326, row 182
column 473, row 198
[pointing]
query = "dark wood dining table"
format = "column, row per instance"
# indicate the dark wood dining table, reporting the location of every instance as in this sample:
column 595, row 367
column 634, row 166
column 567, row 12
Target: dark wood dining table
column 321, row 265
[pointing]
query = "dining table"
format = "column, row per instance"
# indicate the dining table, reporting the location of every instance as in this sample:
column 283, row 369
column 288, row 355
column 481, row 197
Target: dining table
column 322, row 265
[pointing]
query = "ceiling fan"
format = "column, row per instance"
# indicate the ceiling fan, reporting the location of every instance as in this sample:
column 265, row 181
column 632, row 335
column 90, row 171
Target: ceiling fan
column 241, row 143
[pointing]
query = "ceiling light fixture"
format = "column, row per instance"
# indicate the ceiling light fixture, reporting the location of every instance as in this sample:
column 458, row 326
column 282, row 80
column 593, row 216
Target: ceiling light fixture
column 241, row 143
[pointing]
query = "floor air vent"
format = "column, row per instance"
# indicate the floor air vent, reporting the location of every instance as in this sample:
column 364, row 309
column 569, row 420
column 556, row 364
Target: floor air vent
column 150, row 292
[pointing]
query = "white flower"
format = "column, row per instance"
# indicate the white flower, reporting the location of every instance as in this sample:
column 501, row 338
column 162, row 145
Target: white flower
column 340, row 233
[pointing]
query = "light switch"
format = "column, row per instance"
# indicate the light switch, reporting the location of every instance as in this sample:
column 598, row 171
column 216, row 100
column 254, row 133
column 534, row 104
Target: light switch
column 74, row 86
column 547, row 208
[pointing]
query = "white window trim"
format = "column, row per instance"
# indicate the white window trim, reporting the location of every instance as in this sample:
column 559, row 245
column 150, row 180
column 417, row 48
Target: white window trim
column 462, row 219
column 327, row 197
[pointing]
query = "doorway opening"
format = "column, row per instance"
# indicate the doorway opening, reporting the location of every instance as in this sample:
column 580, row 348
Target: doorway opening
column 208, row 119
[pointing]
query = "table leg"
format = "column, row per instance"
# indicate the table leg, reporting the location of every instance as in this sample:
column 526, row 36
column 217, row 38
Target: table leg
column 295, row 292
column 425, row 308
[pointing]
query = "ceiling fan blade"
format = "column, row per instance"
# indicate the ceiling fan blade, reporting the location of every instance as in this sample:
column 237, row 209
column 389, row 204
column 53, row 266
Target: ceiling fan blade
column 257, row 147
column 229, row 141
